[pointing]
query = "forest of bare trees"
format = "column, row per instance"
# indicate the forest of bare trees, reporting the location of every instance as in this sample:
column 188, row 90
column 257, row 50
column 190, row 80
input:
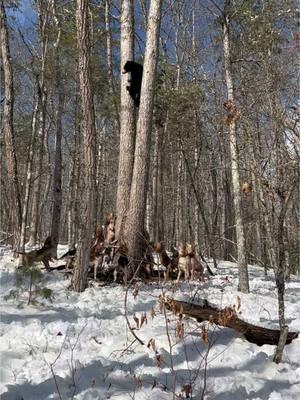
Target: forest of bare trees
column 210, row 155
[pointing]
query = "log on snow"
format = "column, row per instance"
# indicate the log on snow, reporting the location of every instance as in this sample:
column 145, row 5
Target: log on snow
column 228, row 317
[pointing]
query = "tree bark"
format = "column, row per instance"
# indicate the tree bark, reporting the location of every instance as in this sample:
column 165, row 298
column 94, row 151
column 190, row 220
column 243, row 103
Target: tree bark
column 40, row 146
column 138, row 194
column 157, row 216
column 240, row 237
column 109, row 61
column 11, row 159
column 281, row 343
column 29, row 175
column 89, row 144
column 228, row 318
column 57, row 173
column 127, row 120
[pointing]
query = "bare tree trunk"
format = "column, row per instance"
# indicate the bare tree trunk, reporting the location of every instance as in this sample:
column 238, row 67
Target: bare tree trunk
column 29, row 175
column 178, row 220
column 263, row 202
column 74, row 177
column 56, row 182
column 109, row 60
column 243, row 284
column 280, row 268
column 35, row 213
column 157, row 187
column 89, row 143
column 127, row 125
column 138, row 194
column 11, row 159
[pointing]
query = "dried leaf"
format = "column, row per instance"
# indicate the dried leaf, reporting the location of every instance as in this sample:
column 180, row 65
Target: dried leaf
column 154, row 384
column 187, row 390
column 151, row 344
column 179, row 329
column 152, row 313
column 143, row 319
column 204, row 334
column 137, row 381
column 161, row 302
column 159, row 360
column 96, row 340
column 136, row 320
column 226, row 315
column 136, row 290
column 238, row 303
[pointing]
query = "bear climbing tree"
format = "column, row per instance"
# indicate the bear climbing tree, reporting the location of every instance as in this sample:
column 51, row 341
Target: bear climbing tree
column 135, row 81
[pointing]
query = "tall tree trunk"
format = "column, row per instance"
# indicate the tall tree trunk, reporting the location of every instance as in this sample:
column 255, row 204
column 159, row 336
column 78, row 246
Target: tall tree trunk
column 109, row 61
column 74, row 177
column 138, row 194
column 29, row 174
column 40, row 146
column 11, row 159
column 243, row 284
column 89, row 144
column 157, row 217
column 35, row 214
column 127, row 124
column 57, row 173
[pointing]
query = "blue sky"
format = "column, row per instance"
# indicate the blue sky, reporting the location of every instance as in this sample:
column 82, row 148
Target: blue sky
column 24, row 14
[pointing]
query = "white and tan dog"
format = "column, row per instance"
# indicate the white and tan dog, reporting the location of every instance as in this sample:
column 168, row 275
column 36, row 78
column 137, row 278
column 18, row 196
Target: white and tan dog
column 194, row 265
column 182, row 262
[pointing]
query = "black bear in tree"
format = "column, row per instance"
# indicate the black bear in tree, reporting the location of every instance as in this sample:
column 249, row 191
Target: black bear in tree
column 135, row 81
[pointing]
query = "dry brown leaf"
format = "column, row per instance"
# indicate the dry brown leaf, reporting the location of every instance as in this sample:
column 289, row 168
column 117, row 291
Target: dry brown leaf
column 159, row 360
column 143, row 319
column 204, row 334
column 179, row 329
column 187, row 390
column 136, row 320
column 238, row 303
column 226, row 315
column 161, row 302
column 136, row 290
column 151, row 344
column 152, row 313
column 137, row 381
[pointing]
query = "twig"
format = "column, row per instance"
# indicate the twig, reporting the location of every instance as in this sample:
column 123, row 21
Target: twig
column 125, row 304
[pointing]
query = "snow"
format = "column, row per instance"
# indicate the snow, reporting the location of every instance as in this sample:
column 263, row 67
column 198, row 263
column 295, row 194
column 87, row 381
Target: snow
column 84, row 339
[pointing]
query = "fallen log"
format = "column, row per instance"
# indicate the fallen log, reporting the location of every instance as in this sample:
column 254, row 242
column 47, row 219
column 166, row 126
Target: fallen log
column 228, row 317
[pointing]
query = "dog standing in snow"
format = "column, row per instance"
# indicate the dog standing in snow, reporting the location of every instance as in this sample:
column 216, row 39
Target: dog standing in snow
column 182, row 262
column 194, row 265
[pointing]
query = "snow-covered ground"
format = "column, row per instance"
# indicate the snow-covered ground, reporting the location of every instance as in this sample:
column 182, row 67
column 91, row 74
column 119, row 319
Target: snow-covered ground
column 79, row 346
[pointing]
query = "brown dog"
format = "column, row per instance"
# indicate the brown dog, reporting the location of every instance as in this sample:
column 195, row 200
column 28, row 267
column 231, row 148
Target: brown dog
column 43, row 255
column 164, row 259
column 193, row 264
